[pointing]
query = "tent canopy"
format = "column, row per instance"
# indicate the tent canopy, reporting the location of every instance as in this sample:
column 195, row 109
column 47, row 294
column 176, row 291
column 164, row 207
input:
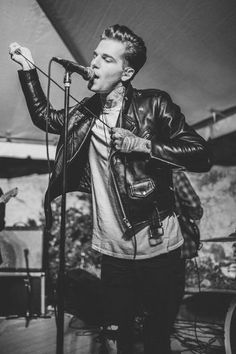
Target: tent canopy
column 191, row 52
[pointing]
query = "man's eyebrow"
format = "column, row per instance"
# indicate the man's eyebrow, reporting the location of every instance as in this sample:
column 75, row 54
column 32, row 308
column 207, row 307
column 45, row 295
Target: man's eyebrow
column 104, row 55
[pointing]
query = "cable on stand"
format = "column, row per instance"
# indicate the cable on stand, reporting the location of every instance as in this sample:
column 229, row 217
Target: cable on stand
column 61, row 272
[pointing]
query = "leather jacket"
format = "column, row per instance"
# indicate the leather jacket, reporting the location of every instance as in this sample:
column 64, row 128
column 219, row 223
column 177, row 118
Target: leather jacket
column 142, row 183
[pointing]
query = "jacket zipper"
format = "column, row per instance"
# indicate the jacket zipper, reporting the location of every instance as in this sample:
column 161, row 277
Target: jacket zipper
column 125, row 220
column 124, row 217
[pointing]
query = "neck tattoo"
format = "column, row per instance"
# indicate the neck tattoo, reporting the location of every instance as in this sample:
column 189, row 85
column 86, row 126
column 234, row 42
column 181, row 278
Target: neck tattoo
column 113, row 98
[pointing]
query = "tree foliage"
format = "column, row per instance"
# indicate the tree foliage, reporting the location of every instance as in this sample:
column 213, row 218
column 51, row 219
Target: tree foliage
column 78, row 251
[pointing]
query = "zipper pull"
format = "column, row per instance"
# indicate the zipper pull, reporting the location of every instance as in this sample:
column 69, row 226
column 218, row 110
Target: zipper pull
column 127, row 223
column 155, row 241
column 155, row 235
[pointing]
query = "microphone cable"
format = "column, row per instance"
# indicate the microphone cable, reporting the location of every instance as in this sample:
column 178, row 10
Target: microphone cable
column 18, row 51
column 47, row 201
column 53, row 290
column 199, row 337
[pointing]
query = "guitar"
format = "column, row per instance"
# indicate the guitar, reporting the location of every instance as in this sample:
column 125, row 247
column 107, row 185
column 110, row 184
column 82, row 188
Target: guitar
column 4, row 198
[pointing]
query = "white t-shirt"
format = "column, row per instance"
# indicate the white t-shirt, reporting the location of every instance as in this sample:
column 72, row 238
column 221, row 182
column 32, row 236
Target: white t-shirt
column 108, row 228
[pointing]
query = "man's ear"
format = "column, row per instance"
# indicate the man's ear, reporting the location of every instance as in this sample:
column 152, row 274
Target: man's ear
column 127, row 74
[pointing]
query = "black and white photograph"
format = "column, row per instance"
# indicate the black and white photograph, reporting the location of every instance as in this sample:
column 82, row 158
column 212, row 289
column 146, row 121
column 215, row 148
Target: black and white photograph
column 118, row 177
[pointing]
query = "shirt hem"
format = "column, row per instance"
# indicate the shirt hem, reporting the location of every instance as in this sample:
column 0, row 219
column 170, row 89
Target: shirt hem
column 138, row 257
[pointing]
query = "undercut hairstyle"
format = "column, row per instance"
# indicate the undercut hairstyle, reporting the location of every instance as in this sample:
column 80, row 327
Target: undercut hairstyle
column 136, row 52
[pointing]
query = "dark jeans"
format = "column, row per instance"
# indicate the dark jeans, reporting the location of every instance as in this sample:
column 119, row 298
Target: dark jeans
column 152, row 286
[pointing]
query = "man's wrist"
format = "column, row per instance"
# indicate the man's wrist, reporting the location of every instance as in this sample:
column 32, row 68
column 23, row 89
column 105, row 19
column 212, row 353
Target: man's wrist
column 136, row 144
column 144, row 146
column 27, row 67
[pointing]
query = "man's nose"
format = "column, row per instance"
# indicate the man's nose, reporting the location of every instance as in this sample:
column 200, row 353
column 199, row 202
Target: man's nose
column 95, row 63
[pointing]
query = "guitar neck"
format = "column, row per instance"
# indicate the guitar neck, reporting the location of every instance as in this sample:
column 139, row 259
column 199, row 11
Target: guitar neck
column 4, row 198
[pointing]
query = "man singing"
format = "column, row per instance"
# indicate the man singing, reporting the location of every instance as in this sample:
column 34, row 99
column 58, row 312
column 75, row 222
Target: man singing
column 124, row 153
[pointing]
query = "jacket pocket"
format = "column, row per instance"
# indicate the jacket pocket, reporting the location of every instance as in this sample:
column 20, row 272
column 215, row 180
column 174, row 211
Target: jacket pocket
column 142, row 188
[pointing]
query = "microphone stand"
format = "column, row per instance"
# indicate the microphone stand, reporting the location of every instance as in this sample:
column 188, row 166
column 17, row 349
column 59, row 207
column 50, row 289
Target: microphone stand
column 28, row 285
column 61, row 273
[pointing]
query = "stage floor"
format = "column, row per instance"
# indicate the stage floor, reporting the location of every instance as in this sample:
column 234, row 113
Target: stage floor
column 39, row 337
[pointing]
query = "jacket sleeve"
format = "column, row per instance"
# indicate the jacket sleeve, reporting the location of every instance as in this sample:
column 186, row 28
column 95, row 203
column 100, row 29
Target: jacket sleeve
column 176, row 144
column 37, row 103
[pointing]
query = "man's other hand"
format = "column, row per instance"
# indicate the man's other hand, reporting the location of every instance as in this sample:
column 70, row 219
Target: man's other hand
column 125, row 141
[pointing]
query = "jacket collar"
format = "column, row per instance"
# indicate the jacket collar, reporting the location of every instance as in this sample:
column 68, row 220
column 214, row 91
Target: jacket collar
column 127, row 98
column 94, row 104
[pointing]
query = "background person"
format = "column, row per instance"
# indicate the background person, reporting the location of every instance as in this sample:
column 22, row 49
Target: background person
column 189, row 211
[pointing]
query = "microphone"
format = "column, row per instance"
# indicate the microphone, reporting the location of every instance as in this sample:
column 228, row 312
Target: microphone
column 86, row 72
